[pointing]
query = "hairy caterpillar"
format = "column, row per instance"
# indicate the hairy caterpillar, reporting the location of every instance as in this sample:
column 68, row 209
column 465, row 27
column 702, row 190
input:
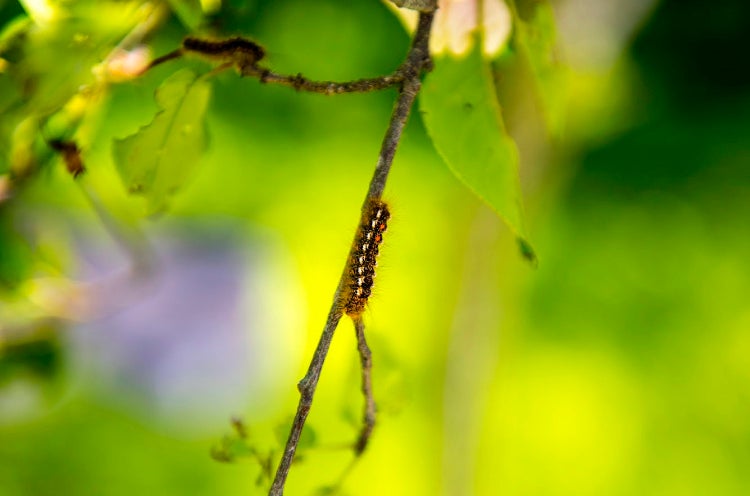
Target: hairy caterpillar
column 363, row 257
column 245, row 54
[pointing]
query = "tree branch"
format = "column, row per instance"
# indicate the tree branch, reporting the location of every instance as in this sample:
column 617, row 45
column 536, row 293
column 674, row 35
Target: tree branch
column 245, row 55
column 297, row 81
column 416, row 62
column 368, row 417
column 301, row 83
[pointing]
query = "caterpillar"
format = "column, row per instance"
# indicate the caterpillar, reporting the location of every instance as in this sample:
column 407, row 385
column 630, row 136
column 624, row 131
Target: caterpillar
column 242, row 53
column 224, row 48
column 362, row 262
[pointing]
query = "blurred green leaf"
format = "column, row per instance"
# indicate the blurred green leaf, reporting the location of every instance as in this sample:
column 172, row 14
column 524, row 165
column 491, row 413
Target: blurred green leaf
column 158, row 159
column 189, row 12
column 330, row 491
column 462, row 115
column 16, row 260
column 50, row 64
column 9, row 93
column 27, row 150
column 230, row 448
column 39, row 354
column 535, row 35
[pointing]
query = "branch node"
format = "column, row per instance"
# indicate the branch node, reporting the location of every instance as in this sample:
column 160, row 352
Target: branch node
column 264, row 74
column 302, row 385
column 298, row 81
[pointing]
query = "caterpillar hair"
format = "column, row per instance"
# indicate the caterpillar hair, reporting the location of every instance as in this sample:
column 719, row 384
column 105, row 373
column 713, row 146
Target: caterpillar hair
column 363, row 259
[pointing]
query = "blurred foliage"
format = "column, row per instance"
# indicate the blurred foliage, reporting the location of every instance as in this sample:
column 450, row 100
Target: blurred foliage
column 535, row 38
column 156, row 161
column 620, row 366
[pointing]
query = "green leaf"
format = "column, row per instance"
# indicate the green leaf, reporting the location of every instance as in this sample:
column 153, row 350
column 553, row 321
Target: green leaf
column 16, row 261
column 10, row 95
column 462, row 115
column 157, row 160
column 189, row 12
column 535, row 36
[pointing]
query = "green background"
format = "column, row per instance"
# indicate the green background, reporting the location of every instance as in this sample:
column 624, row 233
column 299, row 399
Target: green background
column 619, row 366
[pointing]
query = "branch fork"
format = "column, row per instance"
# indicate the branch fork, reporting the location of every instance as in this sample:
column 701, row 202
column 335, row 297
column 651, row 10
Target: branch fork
column 408, row 77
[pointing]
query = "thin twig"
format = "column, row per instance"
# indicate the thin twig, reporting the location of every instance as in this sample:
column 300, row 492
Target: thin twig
column 174, row 54
column 235, row 52
column 365, row 357
column 416, row 62
column 296, row 81
column 301, row 83
column 130, row 241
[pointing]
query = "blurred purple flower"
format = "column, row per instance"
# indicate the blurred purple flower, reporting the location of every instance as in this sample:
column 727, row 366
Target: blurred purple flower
column 193, row 343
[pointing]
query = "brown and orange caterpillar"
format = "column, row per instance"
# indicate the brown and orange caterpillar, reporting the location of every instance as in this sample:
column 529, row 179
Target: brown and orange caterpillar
column 361, row 269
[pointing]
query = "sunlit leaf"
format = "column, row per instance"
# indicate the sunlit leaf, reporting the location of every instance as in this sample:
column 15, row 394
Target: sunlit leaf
column 157, row 160
column 535, row 36
column 57, row 74
column 460, row 110
column 41, row 11
column 49, row 60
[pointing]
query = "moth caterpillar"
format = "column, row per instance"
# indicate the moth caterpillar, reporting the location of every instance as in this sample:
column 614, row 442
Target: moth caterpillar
column 241, row 50
column 361, row 270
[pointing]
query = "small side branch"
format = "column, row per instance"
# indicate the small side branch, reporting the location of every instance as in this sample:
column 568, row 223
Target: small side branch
column 416, row 63
column 174, row 54
column 246, row 56
column 368, row 417
column 301, row 83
